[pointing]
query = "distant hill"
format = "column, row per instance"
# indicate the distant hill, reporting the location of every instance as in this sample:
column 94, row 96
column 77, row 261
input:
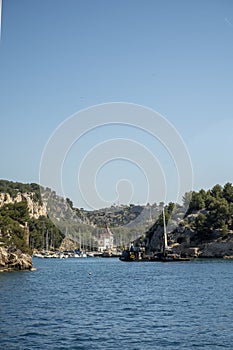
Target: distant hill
column 46, row 211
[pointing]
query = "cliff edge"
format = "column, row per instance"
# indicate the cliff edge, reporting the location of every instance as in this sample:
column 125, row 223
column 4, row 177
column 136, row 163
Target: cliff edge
column 12, row 259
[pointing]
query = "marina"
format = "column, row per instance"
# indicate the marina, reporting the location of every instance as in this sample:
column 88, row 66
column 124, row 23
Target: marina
column 75, row 254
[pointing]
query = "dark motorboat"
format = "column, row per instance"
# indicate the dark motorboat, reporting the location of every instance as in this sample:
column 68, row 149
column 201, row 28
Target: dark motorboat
column 169, row 257
column 129, row 255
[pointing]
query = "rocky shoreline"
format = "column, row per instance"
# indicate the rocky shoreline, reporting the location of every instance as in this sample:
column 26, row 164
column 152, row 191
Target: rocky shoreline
column 219, row 248
column 210, row 250
column 14, row 260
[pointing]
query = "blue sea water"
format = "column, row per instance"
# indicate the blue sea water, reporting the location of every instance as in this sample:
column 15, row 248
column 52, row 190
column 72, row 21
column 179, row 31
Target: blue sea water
column 108, row 304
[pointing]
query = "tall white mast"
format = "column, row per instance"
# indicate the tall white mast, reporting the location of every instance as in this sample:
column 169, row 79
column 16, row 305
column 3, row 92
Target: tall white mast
column 47, row 241
column 164, row 231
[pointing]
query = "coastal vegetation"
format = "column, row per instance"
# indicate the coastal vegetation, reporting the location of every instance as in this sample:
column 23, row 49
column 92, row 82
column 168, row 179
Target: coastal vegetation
column 12, row 225
column 20, row 230
column 13, row 188
column 25, row 222
column 208, row 212
column 214, row 209
column 41, row 229
column 127, row 222
column 206, row 228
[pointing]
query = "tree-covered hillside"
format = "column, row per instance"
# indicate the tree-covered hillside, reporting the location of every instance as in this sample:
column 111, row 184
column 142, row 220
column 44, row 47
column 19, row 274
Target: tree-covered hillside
column 13, row 188
column 214, row 208
column 13, row 231
column 209, row 216
column 209, row 219
column 18, row 227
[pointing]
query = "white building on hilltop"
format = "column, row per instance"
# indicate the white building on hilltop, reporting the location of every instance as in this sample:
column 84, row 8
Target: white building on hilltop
column 105, row 240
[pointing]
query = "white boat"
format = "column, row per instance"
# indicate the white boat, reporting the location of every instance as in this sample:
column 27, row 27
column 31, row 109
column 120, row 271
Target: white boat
column 83, row 255
column 91, row 254
column 38, row 255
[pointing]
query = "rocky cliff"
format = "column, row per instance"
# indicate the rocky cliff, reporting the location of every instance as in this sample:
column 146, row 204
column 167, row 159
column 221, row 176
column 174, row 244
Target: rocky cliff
column 35, row 208
column 16, row 210
column 183, row 239
column 14, row 259
column 28, row 213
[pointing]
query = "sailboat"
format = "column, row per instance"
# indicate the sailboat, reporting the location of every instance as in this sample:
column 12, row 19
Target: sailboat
column 166, row 254
column 47, row 255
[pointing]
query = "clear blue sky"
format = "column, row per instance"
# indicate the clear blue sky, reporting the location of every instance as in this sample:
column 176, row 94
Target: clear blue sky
column 57, row 57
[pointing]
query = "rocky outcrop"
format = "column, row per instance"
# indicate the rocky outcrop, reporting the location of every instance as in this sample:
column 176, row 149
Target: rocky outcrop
column 217, row 249
column 14, row 259
column 186, row 251
column 35, row 209
column 68, row 244
column 155, row 242
column 220, row 249
column 184, row 240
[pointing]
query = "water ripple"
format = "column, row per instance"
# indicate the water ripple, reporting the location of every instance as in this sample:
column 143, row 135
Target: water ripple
column 120, row 306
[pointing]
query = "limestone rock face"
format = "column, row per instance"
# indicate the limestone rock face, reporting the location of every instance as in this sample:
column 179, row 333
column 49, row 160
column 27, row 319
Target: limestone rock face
column 217, row 249
column 186, row 251
column 156, row 242
column 35, row 209
column 14, row 260
column 184, row 241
